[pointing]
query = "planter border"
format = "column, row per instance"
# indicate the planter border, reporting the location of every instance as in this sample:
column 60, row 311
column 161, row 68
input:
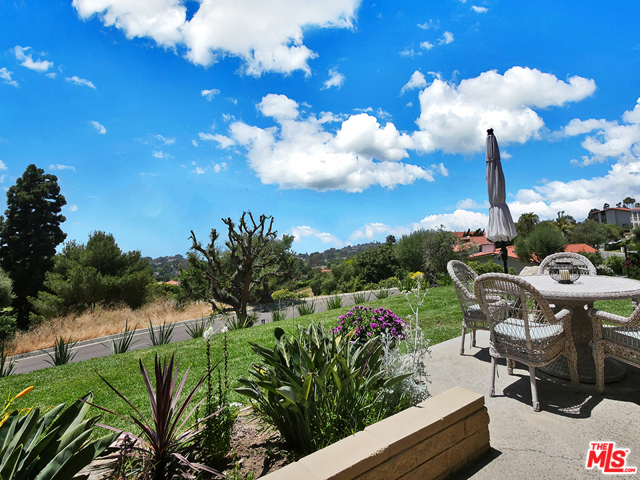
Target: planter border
column 432, row 440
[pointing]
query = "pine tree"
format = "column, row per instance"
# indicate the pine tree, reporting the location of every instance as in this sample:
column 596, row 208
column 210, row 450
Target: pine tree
column 30, row 234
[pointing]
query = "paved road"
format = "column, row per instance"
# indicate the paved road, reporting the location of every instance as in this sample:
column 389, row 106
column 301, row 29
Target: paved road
column 101, row 347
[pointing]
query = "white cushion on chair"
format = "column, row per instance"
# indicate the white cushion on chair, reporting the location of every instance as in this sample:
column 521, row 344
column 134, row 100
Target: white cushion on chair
column 514, row 328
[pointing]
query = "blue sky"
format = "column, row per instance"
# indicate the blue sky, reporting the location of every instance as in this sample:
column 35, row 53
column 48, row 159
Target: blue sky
column 346, row 120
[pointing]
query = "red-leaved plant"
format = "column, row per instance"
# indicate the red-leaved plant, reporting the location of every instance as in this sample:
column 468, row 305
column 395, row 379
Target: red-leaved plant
column 163, row 448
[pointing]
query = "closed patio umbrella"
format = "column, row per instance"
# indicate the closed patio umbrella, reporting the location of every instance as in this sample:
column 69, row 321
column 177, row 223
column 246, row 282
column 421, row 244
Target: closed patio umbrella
column 501, row 228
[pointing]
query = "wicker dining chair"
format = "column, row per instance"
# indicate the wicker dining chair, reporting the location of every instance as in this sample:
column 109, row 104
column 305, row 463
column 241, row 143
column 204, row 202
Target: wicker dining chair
column 614, row 336
column 583, row 264
column 463, row 277
column 523, row 327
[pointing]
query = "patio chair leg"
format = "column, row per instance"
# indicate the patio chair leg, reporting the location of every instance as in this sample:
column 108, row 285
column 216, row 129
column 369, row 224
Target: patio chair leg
column 494, row 363
column 534, row 389
column 474, row 338
column 464, row 332
column 598, row 357
column 511, row 364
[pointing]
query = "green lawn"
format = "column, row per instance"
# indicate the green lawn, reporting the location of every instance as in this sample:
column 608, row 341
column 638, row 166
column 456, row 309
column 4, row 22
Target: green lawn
column 440, row 318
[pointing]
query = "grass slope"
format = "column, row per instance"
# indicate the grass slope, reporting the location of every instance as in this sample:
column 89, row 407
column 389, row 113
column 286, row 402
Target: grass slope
column 440, row 318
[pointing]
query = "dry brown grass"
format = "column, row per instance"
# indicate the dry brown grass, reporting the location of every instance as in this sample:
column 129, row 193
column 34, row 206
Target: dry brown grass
column 101, row 322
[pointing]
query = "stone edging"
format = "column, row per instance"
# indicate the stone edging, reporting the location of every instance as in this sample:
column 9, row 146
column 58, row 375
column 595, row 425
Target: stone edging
column 430, row 441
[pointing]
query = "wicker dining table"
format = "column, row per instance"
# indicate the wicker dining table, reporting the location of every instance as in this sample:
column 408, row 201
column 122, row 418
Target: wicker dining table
column 579, row 297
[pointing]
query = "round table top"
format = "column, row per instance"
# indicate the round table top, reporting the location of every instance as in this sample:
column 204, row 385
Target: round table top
column 588, row 288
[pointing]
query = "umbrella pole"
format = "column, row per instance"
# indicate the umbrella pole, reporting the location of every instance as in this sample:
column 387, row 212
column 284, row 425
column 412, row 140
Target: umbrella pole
column 503, row 254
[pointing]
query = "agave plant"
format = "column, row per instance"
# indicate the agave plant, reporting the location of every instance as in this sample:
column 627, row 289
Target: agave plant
column 334, row 302
column 5, row 367
column 38, row 448
column 306, row 308
column 318, row 387
column 62, row 353
column 197, row 328
column 125, row 342
column 165, row 333
column 163, row 446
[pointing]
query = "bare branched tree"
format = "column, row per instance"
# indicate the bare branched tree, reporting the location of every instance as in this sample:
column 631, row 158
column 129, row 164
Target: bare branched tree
column 233, row 273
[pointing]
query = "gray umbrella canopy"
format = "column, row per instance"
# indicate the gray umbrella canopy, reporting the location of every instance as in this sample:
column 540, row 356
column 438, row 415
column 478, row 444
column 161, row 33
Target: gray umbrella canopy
column 501, row 227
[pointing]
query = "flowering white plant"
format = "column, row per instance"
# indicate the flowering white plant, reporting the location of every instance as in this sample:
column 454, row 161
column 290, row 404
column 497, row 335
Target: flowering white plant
column 208, row 333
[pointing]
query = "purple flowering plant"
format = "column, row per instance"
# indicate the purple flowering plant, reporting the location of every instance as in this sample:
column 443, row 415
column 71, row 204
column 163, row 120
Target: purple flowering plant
column 368, row 322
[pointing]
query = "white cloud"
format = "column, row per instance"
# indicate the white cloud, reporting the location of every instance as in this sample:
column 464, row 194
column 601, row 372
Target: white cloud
column 336, row 79
column 3, row 166
column 469, row 203
column 479, row 9
column 267, row 35
column 225, row 142
column 306, row 231
column 194, row 143
column 161, row 154
column 28, row 62
column 209, row 94
column 409, row 53
column 80, row 81
column 426, row 45
column 219, row 167
column 5, row 75
column 199, row 171
column 429, row 24
column 301, row 153
column 99, row 128
column 454, row 119
column 62, row 167
column 611, row 141
column 52, row 75
column 417, row 80
column 372, row 230
column 447, row 38
column 72, row 208
column 164, row 140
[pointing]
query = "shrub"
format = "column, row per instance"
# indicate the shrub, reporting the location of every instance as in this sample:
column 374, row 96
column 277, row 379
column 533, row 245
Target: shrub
column 197, row 328
column 278, row 313
column 317, row 388
column 359, row 297
column 125, row 342
column 283, row 295
column 616, row 263
column 367, row 323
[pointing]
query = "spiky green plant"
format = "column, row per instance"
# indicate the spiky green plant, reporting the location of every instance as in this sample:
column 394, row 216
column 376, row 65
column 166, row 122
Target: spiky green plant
column 278, row 313
column 5, row 367
column 55, row 446
column 317, row 388
column 359, row 298
column 306, row 308
column 164, row 334
column 125, row 342
column 334, row 302
column 197, row 328
column 62, row 353
column 382, row 293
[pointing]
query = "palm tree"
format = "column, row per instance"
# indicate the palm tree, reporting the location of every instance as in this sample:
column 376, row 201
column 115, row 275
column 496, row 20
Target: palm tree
column 526, row 223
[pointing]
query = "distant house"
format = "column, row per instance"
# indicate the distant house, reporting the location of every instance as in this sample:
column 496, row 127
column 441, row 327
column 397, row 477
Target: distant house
column 483, row 251
column 170, row 282
column 620, row 216
column 635, row 217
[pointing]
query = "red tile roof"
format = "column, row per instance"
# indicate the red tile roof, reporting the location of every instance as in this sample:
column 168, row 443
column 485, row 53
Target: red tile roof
column 579, row 247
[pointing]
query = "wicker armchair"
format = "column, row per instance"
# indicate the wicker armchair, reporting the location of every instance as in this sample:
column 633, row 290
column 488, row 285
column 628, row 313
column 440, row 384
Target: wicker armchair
column 523, row 327
column 614, row 336
column 472, row 317
column 575, row 259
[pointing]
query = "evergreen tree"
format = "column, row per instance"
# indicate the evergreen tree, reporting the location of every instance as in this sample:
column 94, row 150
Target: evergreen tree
column 30, row 234
column 96, row 273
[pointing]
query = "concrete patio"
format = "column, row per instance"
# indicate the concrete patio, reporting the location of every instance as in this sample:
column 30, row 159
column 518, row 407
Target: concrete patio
column 553, row 443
